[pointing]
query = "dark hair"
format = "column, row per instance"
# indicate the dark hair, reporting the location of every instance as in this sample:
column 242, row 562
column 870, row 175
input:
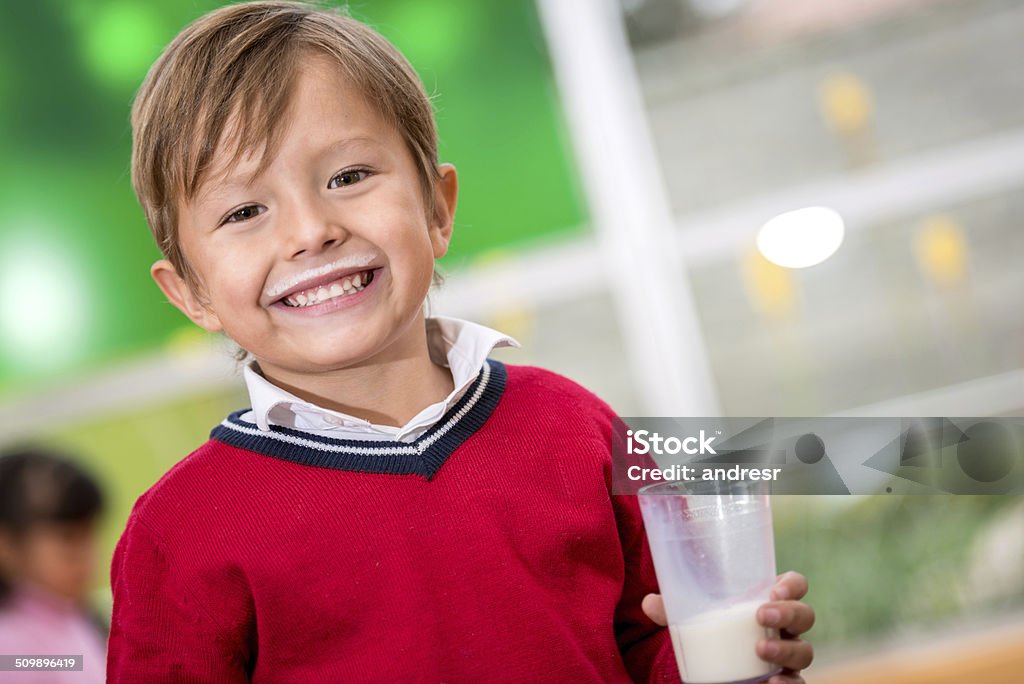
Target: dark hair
column 39, row 486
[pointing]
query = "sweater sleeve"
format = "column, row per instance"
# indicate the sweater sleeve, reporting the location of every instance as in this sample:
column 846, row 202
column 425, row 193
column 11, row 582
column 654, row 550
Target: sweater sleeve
column 161, row 630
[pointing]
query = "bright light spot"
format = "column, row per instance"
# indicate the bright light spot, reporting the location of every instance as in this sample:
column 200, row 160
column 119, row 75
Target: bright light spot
column 42, row 306
column 801, row 238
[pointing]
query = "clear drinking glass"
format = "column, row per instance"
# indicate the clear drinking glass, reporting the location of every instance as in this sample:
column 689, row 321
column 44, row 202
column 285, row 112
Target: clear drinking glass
column 714, row 555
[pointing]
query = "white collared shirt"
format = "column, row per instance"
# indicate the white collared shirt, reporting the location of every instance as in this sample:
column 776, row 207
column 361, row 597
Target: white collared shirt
column 460, row 345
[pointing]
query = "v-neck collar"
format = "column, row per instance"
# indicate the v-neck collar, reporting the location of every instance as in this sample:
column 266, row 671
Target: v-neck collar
column 423, row 456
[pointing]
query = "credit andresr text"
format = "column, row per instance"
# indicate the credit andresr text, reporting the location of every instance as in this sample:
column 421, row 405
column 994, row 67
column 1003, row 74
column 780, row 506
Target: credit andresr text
column 645, row 442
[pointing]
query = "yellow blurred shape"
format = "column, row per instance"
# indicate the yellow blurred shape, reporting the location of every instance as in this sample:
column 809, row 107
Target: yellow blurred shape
column 508, row 315
column 492, row 257
column 517, row 321
column 940, row 248
column 846, row 102
column 769, row 287
column 188, row 340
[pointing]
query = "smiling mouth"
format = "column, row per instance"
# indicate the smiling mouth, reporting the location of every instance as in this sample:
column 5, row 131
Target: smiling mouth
column 342, row 287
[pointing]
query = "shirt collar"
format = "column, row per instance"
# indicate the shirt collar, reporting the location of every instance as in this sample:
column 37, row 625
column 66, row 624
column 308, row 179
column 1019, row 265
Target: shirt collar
column 460, row 345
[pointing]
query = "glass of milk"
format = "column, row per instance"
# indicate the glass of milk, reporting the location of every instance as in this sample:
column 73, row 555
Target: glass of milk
column 714, row 555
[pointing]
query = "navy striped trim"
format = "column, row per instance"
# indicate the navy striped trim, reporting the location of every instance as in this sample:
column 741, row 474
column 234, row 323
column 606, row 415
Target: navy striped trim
column 423, row 456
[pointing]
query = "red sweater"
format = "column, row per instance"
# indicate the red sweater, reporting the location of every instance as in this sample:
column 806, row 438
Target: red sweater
column 488, row 550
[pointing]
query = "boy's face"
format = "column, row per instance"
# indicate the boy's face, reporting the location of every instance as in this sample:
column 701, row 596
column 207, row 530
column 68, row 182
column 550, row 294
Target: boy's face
column 325, row 259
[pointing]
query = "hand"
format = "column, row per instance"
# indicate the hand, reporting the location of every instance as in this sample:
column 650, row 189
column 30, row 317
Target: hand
column 784, row 612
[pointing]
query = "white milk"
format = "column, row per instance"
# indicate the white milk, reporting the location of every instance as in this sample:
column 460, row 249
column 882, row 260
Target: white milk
column 719, row 646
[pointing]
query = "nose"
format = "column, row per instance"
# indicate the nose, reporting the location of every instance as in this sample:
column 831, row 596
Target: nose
column 309, row 229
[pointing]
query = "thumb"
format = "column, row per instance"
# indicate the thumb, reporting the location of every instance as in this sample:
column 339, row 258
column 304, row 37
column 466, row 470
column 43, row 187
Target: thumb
column 654, row 608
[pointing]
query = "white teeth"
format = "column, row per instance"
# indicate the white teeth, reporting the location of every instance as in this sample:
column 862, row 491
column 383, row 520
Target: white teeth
column 351, row 285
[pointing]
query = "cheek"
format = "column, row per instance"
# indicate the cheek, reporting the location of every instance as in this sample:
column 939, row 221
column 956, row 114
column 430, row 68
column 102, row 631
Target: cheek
column 414, row 261
column 231, row 267
column 235, row 281
column 400, row 216
column 410, row 244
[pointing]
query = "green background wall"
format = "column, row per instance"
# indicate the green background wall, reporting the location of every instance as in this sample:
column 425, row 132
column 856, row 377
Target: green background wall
column 74, row 248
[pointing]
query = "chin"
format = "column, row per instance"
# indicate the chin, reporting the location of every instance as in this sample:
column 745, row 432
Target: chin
column 318, row 361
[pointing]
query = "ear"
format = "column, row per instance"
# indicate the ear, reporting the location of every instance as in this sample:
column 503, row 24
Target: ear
column 181, row 295
column 446, row 194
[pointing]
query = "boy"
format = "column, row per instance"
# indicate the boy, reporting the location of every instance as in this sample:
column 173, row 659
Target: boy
column 394, row 506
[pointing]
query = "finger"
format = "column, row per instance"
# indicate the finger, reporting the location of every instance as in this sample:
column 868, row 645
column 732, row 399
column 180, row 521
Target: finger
column 794, row 654
column 789, row 585
column 793, row 616
column 654, row 608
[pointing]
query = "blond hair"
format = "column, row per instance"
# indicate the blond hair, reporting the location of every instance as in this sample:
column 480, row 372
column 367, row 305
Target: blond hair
column 237, row 65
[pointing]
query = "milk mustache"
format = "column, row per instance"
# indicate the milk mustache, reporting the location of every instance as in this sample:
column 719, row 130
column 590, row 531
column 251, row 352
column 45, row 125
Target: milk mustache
column 719, row 646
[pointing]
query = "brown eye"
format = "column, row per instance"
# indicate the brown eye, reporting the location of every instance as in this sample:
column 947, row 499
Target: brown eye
column 346, row 178
column 244, row 214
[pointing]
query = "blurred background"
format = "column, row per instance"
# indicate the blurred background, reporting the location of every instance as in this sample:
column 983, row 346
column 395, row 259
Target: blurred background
column 609, row 218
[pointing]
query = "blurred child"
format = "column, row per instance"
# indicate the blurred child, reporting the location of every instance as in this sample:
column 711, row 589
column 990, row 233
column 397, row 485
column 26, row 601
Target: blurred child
column 395, row 506
column 49, row 509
